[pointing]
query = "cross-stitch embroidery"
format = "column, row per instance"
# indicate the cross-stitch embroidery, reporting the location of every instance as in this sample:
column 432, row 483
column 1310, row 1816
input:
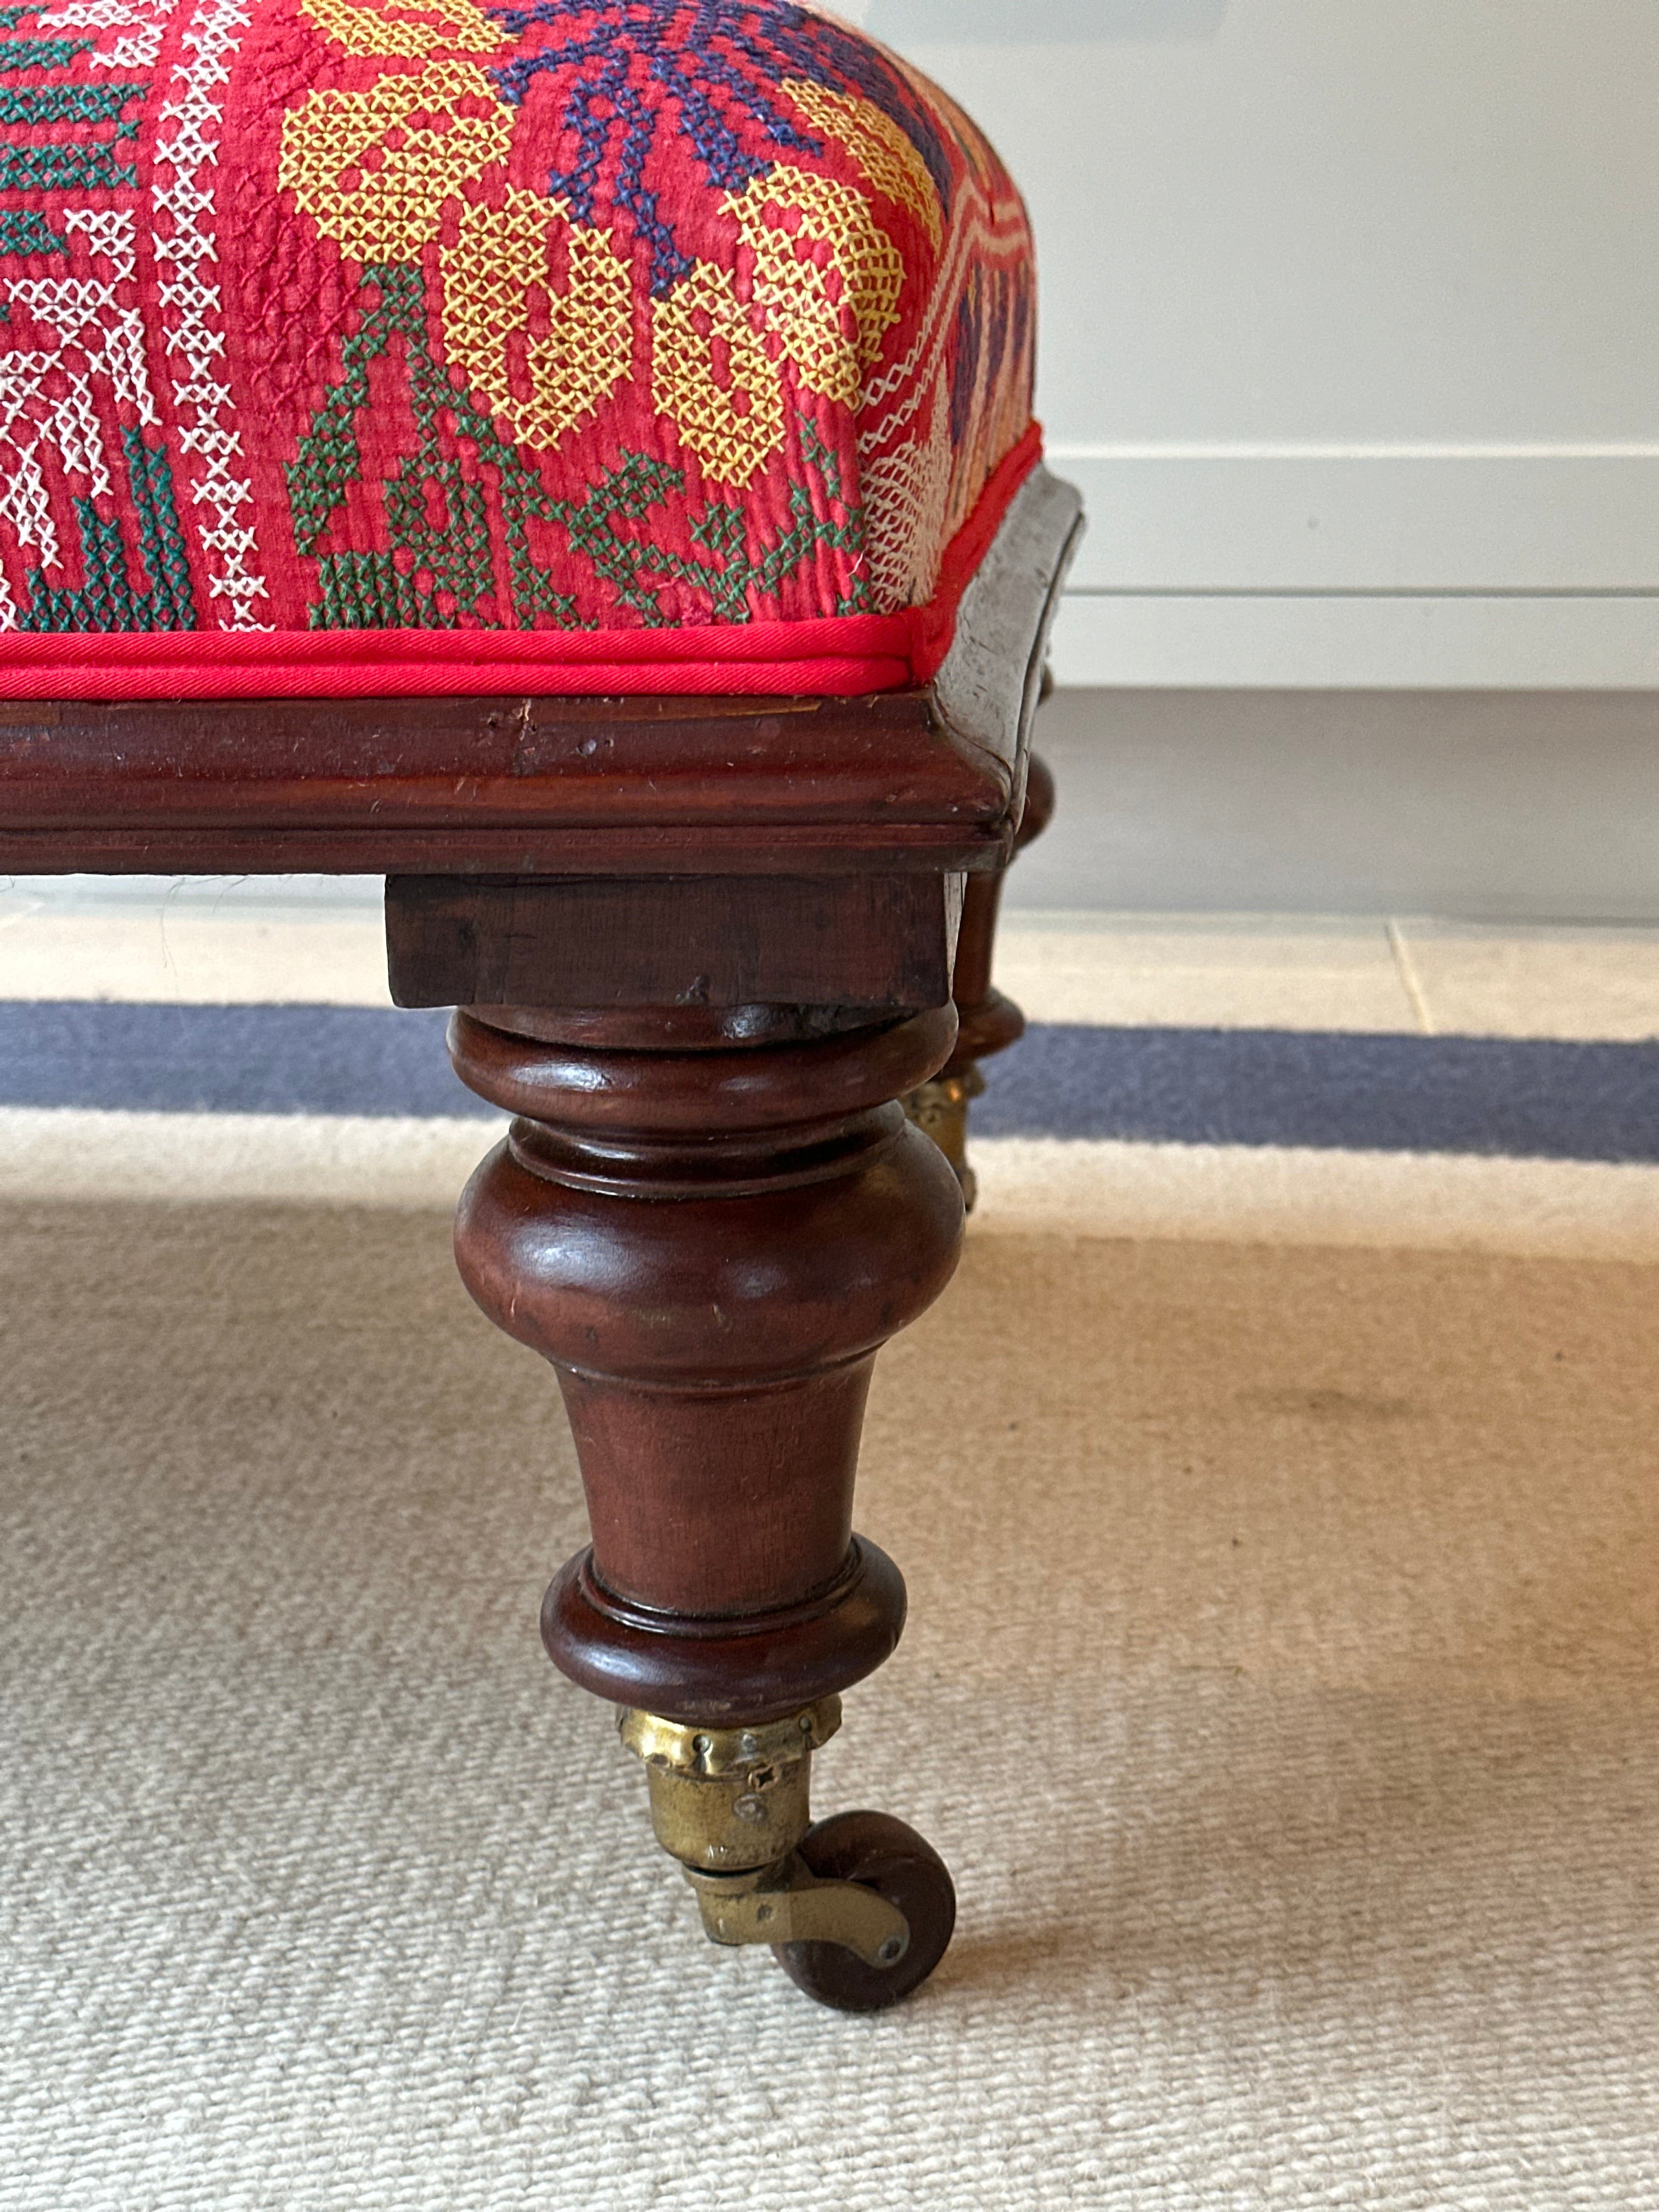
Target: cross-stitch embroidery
column 577, row 315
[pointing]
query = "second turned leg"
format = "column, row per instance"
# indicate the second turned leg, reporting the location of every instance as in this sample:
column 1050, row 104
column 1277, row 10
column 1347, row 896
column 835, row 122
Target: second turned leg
column 989, row 1020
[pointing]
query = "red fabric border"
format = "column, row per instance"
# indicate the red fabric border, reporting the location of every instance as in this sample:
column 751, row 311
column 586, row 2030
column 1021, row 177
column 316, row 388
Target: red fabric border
column 836, row 657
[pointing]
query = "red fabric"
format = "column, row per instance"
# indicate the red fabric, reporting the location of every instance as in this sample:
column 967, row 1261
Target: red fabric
column 420, row 344
column 841, row 657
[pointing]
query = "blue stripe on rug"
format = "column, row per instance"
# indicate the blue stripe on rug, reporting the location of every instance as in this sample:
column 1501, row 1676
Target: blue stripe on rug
column 228, row 1059
column 1525, row 1098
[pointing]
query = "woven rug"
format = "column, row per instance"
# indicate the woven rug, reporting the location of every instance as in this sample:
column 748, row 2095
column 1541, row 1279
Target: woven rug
column 1281, row 1683
column 1278, row 1497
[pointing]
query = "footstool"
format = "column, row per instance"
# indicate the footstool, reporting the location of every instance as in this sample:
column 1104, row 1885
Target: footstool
column 575, row 458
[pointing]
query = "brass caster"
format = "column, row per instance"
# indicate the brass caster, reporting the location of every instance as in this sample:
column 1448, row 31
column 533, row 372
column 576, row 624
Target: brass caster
column 787, row 1904
column 857, row 1910
column 939, row 1109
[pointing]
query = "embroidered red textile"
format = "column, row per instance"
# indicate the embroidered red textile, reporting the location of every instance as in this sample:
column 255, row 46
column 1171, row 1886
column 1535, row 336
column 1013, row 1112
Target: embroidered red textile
column 373, row 346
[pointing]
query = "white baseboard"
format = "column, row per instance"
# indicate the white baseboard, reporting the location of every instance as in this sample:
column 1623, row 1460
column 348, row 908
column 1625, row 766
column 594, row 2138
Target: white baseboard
column 1358, row 642
column 1416, row 518
column 1454, row 566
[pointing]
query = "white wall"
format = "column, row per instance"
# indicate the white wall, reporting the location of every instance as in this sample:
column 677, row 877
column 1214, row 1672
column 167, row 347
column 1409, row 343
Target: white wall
column 1350, row 326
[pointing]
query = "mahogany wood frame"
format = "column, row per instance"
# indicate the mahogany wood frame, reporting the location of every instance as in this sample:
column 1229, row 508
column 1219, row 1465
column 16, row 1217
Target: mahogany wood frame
column 701, row 948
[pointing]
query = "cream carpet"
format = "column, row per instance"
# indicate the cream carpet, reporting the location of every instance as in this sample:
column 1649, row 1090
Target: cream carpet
column 1282, row 1686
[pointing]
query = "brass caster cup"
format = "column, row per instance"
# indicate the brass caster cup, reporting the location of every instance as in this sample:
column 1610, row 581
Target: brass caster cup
column 857, row 1910
column 728, row 1801
column 939, row 1110
column 732, row 1806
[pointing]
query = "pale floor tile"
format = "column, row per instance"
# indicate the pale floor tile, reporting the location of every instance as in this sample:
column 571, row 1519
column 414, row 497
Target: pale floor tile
column 1206, row 972
column 1535, row 982
column 284, row 895
column 191, row 955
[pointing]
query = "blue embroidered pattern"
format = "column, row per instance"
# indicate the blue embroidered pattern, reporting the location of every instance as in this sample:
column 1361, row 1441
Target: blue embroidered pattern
column 718, row 60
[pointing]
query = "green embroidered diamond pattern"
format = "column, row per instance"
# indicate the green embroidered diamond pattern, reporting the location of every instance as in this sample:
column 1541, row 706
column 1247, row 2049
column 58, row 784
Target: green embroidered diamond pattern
column 638, row 570
column 437, row 517
column 18, row 54
column 26, row 230
column 107, row 601
column 441, row 569
column 70, row 139
column 89, row 164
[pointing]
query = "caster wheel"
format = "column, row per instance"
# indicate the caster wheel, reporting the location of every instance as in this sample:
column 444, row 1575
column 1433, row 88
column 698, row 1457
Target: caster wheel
column 882, row 1853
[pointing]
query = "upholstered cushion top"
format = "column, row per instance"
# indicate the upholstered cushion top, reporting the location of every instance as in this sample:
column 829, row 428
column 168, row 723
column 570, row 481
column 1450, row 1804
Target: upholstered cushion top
column 580, row 345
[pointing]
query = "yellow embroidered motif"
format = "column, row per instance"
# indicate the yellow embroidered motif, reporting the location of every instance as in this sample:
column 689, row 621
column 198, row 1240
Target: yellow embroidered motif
column 826, row 275
column 374, row 169
column 711, row 371
column 544, row 357
column 879, row 147
column 368, row 28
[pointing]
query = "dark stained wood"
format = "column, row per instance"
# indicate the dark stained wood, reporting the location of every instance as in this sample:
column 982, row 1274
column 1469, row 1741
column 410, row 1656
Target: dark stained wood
column 835, row 850
column 627, row 1082
column 618, row 1029
column 725, row 1672
column 1040, row 797
column 871, row 941
column 989, row 1021
column 714, row 1350
column 470, row 787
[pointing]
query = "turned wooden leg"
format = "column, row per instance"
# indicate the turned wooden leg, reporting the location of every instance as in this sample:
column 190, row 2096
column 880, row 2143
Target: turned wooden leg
column 989, row 1021
column 710, row 1240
